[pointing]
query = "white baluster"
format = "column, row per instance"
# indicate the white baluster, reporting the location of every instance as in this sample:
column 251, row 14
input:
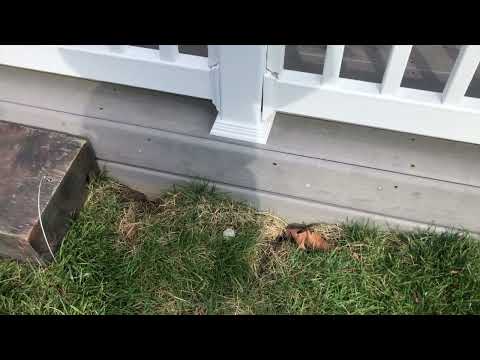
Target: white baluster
column 396, row 65
column 461, row 75
column 333, row 63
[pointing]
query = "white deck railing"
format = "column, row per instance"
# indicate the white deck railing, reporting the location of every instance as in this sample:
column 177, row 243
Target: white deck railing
column 249, row 84
column 448, row 115
column 163, row 69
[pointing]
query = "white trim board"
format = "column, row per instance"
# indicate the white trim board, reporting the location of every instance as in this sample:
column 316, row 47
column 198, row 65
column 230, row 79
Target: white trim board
column 127, row 65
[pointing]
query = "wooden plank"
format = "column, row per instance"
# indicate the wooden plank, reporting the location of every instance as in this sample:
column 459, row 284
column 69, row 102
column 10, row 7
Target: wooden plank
column 153, row 183
column 397, row 62
column 128, row 65
column 63, row 163
column 462, row 73
column 355, row 187
column 341, row 142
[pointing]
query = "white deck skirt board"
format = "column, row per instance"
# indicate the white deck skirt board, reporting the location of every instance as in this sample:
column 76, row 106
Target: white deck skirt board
column 364, row 146
column 355, row 187
column 352, row 101
column 127, row 65
column 153, row 183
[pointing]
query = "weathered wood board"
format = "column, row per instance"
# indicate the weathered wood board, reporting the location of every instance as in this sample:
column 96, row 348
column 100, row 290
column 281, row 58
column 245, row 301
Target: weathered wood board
column 26, row 156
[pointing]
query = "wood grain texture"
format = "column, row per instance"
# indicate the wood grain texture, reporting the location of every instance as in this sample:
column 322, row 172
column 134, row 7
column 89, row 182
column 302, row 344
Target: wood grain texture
column 26, row 155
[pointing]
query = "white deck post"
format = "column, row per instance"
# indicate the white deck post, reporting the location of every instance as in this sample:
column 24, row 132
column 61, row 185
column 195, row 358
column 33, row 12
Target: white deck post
column 240, row 83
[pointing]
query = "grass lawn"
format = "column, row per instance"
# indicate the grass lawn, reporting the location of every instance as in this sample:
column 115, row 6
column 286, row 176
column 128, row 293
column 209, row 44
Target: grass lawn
column 123, row 255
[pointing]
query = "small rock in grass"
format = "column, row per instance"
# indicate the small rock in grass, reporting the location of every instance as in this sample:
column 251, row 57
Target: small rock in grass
column 229, row 233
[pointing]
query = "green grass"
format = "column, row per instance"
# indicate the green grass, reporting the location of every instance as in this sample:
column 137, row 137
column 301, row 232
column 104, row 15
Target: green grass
column 124, row 256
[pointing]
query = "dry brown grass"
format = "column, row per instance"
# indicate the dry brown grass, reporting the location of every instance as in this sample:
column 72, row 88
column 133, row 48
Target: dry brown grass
column 129, row 226
column 139, row 213
column 271, row 252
